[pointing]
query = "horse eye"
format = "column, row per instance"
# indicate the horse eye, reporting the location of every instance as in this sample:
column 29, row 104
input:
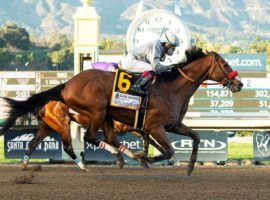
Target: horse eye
column 226, row 65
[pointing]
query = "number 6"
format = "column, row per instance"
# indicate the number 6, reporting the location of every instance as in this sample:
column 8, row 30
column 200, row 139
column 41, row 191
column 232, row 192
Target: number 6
column 124, row 83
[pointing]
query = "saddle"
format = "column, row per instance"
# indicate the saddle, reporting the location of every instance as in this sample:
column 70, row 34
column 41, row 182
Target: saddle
column 122, row 97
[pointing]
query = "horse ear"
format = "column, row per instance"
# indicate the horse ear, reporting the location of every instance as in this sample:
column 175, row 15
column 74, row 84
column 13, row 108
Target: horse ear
column 207, row 52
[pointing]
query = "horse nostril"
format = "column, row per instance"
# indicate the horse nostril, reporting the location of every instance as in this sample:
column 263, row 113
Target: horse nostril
column 241, row 85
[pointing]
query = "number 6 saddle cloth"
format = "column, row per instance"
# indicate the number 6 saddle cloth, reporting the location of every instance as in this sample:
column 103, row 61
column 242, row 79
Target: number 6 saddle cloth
column 122, row 97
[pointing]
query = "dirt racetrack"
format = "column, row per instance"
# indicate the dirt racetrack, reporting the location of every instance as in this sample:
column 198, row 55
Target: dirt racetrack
column 109, row 182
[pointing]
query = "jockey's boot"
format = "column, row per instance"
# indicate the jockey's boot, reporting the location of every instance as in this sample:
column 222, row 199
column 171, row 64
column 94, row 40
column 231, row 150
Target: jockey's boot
column 144, row 78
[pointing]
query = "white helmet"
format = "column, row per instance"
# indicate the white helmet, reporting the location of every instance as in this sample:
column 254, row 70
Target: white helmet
column 170, row 37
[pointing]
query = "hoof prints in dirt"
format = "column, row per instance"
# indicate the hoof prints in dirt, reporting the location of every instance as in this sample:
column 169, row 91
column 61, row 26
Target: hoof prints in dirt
column 33, row 168
column 25, row 179
column 36, row 168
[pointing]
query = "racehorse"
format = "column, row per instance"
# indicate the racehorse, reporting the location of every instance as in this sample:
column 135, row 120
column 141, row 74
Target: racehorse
column 55, row 116
column 89, row 93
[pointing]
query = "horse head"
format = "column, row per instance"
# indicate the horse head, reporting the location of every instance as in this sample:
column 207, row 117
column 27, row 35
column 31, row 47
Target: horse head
column 220, row 71
column 201, row 66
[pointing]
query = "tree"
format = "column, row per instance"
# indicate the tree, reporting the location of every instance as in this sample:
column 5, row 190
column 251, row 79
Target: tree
column 199, row 42
column 5, row 58
column 57, row 57
column 62, row 42
column 62, row 59
column 2, row 41
column 217, row 47
column 15, row 36
column 235, row 49
column 258, row 45
column 106, row 43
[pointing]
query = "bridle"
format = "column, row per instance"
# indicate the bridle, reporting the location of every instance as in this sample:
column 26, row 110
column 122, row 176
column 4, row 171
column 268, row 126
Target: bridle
column 228, row 76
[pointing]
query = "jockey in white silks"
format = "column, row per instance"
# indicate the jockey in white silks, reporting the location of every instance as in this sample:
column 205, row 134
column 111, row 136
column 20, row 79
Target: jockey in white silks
column 146, row 59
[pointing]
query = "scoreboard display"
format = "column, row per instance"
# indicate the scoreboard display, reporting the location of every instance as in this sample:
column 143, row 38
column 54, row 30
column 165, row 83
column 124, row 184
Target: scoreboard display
column 49, row 79
column 216, row 101
column 17, row 85
column 21, row 85
column 250, row 106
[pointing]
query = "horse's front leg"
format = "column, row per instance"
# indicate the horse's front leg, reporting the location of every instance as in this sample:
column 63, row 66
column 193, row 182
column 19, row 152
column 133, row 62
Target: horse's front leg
column 144, row 136
column 91, row 136
column 182, row 129
column 138, row 155
column 161, row 142
column 110, row 133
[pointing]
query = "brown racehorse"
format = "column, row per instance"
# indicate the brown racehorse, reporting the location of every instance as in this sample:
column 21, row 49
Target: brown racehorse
column 55, row 116
column 89, row 93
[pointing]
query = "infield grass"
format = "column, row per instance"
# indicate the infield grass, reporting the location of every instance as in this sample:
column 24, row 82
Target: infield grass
column 239, row 151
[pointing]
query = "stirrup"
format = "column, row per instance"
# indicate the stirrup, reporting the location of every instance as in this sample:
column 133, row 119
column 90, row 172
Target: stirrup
column 138, row 90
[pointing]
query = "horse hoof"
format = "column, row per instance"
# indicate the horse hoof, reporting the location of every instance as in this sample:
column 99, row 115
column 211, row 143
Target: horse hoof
column 144, row 164
column 138, row 155
column 190, row 169
column 36, row 168
column 24, row 167
column 120, row 165
column 85, row 169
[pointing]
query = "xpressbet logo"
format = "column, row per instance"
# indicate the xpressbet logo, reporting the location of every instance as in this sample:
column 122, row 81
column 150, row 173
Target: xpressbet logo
column 133, row 145
column 243, row 62
column 187, row 144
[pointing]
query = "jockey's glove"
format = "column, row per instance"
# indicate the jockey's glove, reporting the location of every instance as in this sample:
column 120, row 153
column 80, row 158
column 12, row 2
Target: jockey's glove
column 163, row 68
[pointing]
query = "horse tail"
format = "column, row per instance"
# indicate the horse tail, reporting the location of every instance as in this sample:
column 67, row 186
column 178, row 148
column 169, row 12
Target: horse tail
column 32, row 104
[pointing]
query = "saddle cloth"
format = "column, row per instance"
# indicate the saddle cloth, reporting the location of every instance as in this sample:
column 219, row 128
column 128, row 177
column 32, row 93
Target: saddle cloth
column 123, row 98
column 121, row 95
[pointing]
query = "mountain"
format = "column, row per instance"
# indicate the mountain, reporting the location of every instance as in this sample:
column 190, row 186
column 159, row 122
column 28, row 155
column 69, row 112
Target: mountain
column 223, row 21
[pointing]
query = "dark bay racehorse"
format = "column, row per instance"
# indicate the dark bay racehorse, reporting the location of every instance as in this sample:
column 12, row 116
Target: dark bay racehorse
column 89, row 93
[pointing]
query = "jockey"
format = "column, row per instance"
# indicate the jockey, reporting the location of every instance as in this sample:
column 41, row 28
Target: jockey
column 146, row 59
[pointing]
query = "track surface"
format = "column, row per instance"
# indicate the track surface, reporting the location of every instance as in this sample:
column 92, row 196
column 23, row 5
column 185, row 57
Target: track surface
column 109, row 182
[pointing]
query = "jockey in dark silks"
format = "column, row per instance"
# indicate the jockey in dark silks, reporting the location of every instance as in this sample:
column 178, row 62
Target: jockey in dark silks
column 146, row 59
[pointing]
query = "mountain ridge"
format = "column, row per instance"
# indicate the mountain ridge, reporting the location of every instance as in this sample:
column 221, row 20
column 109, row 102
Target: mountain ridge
column 217, row 21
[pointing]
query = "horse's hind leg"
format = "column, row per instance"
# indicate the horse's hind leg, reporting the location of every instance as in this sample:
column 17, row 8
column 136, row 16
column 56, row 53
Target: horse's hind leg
column 43, row 131
column 57, row 117
column 67, row 145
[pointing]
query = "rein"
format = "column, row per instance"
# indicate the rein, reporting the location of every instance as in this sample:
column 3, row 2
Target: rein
column 186, row 76
column 228, row 76
column 192, row 80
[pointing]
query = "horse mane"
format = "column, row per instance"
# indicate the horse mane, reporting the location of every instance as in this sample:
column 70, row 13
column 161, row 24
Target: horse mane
column 192, row 54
